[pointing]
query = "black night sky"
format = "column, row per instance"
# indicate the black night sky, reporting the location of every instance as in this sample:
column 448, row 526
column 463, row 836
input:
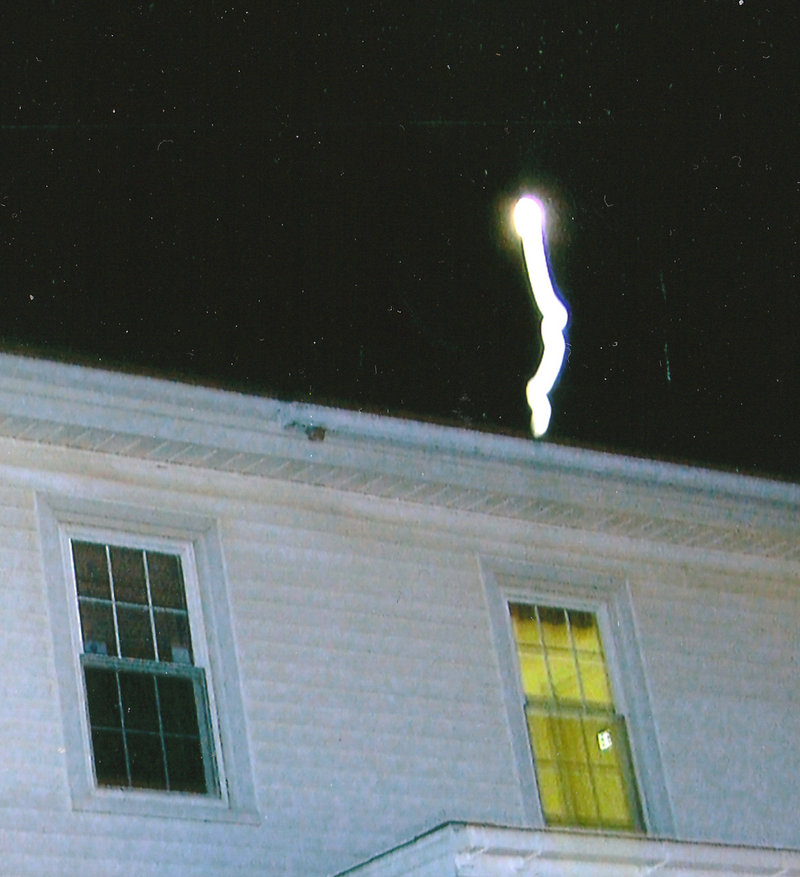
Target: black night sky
column 312, row 201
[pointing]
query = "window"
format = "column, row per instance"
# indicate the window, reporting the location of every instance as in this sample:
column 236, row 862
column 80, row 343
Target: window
column 578, row 741
column 146, row 661
column 582, row 735
column 146, row 699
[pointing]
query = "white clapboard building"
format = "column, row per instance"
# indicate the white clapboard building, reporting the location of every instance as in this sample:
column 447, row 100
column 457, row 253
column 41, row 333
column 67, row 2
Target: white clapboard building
column 249, row 637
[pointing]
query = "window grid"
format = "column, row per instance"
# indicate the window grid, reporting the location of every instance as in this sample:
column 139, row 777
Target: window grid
column 146, row 643
column 567, row 701
column 116, row 726
column 178, row 615
column 114, row 615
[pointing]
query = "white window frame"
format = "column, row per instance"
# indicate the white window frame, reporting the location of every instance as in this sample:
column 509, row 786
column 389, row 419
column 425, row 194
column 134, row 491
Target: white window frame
column 196, row 541
column 608, row 598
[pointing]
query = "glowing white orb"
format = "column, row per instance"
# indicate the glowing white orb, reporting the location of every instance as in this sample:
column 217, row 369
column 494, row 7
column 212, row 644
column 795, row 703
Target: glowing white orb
column 528, row 217
column 529, row 223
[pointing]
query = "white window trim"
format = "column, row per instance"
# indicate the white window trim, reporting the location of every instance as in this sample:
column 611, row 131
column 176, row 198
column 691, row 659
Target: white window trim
column 610, row 600
column 197, row 542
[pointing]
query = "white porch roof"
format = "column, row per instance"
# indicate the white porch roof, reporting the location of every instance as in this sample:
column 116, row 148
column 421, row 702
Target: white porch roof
column 470, row 850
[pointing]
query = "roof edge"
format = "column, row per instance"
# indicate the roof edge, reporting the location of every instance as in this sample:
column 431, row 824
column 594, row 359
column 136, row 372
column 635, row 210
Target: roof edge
column 55, row 389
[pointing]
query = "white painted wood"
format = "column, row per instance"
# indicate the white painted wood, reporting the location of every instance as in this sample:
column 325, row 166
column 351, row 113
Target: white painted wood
column 371, row 689
column 486, row 851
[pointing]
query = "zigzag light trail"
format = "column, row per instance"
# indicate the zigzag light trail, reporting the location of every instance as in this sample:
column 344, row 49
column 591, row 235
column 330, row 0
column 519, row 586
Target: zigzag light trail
column 529, row 223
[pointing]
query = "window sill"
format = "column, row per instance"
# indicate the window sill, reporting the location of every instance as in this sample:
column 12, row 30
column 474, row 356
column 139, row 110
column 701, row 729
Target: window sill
column 170, row 805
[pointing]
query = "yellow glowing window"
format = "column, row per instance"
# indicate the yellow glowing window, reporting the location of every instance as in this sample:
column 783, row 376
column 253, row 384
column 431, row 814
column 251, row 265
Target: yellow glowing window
column 578, row 741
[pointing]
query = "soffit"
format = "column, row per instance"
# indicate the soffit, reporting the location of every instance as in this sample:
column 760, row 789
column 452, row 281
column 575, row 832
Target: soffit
column 175, row 424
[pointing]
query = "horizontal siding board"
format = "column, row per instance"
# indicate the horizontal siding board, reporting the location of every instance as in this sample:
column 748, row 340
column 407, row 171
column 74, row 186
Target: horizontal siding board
column 341, row 630
column 124, row 856
column 417, row 745
column 474, row 721
column 395, row 601
column 683, row 605
column 738, row 644
column 18, row 541
column 392, row 774
column 355, row 549
column 334, row 663
column 311, row 590
column 735, row 680
column 379, row 587
column 722, row 656
column 733, row 764
column 390, row 584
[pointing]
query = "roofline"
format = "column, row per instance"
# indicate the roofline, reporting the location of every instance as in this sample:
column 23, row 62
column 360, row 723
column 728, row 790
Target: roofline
column 51, row 389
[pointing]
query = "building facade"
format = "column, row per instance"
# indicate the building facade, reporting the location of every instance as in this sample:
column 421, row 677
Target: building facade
column 251, row 637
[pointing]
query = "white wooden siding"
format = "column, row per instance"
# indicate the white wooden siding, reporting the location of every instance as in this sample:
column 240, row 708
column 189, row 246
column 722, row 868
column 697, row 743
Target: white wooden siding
column 723, row 656
column 370, row 681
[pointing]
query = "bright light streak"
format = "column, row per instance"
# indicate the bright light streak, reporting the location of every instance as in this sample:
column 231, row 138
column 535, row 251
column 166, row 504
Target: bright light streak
column 529, row 223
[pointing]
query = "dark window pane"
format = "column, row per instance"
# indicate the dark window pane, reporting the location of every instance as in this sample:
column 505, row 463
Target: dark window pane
column 172, row 635
column 178, row 706
column 109, row 758
column 139, row 701
column 166, row 580
column 580, row 620
column 91, row 569
column 185, row 765
column 554, row 628
column 145, row 727
column 147, row 760
column 97, row 627
column 127, row 568
column 102, row 697
column 549, row 615
column 135, row 633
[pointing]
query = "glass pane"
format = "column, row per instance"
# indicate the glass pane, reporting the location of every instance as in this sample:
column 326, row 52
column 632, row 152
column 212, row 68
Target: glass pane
column 146, row 760
column 173, row 637
column 127, row 568
column 139, row 701
column 584, row 631
column 615, row 810
column 91, row 570
column 611, row 767
column 581, row 794
column 596, row 689
column 178, row 706
column 523, row 620
column 535, row 682
column 564, row 675
column 109, row 758
column 554, row 627
column 554, row 807
column 542, row 733
column 185, row 764
column 166, row 580
column 568, row 735
column 97, row 627
column 102, row 698
column 135, row 633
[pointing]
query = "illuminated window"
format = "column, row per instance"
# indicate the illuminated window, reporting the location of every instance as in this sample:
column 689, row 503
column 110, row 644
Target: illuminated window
column 579, row 742
column 146, row 698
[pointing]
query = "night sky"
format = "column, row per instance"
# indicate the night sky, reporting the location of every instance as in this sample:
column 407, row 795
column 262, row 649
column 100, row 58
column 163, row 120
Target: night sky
column 312, row 201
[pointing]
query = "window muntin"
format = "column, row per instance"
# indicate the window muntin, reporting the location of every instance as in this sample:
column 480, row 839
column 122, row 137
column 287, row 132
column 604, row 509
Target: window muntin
column 146, row 701
column 579, row 742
